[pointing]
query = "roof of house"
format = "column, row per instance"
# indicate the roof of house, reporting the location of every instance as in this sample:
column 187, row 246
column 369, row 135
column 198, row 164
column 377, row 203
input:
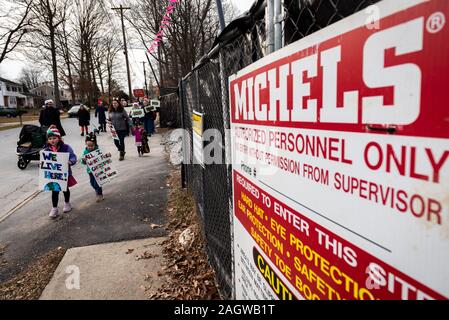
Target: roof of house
column 9, row 81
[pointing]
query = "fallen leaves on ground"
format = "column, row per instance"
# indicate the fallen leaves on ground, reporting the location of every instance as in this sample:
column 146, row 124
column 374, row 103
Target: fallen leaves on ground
column 30, row 284
column 189, row 275
column 146, row 255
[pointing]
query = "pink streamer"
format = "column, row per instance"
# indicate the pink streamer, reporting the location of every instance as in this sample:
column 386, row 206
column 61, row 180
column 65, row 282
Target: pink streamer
column 164, row 23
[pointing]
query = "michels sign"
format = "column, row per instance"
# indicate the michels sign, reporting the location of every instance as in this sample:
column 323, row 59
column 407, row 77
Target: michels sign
column 341, row 161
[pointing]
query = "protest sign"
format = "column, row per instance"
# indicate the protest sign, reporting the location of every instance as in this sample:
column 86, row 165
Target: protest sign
column 100, row 164
column 53, row 171
column 112, row 130
column 137, row 113
column 149, row 109
column 155, row 103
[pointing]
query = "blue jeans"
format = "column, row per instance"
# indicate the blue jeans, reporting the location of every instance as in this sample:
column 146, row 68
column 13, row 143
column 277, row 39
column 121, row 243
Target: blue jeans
column 120, row 144
column 94, row 184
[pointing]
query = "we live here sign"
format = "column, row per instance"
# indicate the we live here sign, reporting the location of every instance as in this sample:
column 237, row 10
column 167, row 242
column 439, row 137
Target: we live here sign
column 53, row 171
column 340, row 147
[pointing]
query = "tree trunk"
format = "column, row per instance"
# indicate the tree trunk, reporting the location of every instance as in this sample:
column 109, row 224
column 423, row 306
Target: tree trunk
column 55, row 69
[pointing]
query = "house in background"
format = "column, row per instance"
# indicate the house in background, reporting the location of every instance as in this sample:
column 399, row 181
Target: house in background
column 12, row 95
column 46, row 91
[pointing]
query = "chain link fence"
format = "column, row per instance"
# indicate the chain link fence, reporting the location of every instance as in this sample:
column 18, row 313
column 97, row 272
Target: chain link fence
column 169, row 112
column 205, row 91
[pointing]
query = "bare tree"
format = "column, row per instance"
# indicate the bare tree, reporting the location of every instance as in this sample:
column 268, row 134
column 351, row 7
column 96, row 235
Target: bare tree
column 48, row 15
column 15, row 19
column 189, row 36
column 65, row 51
column 30, row 77
column 89, row 20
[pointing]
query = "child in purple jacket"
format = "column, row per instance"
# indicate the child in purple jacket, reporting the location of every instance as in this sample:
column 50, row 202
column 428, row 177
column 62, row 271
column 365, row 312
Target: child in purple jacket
column 138, row 133
column 56, row 144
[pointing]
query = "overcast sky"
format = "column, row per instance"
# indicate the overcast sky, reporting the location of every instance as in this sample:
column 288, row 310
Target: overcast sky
column 11, row 68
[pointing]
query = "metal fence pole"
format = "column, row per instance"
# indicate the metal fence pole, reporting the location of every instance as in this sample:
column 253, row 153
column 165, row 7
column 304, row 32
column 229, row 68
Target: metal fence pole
column 184, row 138
column 277, row 20
column 270, row 27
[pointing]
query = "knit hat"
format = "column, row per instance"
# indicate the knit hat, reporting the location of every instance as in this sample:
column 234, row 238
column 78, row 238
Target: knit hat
column 53, row 132
column 48, row 101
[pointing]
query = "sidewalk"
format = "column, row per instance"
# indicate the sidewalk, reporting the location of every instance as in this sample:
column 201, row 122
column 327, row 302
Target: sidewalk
column 134, row 202
column 115, row 271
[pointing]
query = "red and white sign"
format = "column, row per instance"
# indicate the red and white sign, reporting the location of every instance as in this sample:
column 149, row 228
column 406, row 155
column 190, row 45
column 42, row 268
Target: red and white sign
column 341, row 161
column 139, row 93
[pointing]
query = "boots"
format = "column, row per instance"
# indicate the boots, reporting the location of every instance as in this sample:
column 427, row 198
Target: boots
column 122, row 156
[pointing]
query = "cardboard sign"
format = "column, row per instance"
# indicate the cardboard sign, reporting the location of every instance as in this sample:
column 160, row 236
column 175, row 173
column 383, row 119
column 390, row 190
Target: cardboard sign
column 53, row 171
column 139, row 93
column 197, row 127
column 137, row 113
column 112, row 130
column 149, row 109
column 155, row 103
column 101, row 166
column 340, row 146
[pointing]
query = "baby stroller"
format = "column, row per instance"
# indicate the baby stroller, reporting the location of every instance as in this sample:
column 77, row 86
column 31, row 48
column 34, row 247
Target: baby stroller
column 32, row 140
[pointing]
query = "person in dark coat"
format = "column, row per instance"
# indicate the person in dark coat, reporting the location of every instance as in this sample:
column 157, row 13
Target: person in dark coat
column 49, row 116
column 84, row 119
column 100, row 112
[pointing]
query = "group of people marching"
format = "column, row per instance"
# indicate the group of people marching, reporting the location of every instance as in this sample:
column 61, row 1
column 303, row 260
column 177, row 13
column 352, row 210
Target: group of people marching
column 121, row 121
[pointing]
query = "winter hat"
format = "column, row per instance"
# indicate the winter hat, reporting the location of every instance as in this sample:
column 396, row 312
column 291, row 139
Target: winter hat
column 53, row 132
column 48, row 101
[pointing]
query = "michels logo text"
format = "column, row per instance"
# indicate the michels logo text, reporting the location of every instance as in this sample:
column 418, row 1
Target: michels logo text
column 360, row 77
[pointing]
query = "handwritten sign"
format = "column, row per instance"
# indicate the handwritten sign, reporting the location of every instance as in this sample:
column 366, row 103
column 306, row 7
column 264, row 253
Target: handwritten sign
column 137, row 113
column 155, row 103
column 53, row 171
column 112, row 130
column 149, row 109
column 100, row 164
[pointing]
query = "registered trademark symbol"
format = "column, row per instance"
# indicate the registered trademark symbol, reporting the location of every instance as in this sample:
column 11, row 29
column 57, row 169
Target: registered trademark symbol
column 436, row 22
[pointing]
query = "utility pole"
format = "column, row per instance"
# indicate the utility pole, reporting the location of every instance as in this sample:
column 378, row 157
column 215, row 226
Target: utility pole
column 145, row 75
column 126, row 49
column 220, row 14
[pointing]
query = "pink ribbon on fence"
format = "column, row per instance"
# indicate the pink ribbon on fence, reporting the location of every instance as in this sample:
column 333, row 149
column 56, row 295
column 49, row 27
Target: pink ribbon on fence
column 164, row 23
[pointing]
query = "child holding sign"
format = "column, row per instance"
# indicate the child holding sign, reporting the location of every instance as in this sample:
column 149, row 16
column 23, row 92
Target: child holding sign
column 140, row 136
column 56, row 144
column 91, row 145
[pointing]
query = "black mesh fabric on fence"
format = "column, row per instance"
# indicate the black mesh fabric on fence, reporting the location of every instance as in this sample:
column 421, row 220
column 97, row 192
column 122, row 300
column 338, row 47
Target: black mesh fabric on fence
column 205, row 90
column 169, row 112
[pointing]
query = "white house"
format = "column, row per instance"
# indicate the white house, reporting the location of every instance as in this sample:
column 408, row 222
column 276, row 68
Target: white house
column 12, row 95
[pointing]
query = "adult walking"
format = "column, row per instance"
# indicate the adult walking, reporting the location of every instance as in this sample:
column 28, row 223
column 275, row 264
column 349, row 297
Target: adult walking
column 121, row 122
column 49, row 116
column 124, row 104
column 84, row 120
column 100, row 112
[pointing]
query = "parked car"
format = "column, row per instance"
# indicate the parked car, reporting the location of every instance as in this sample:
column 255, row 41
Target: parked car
column 73, row 112
column 11, row 112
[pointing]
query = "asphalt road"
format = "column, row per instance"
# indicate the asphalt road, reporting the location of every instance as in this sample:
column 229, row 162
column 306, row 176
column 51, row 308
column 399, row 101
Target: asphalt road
column 133, row 201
